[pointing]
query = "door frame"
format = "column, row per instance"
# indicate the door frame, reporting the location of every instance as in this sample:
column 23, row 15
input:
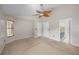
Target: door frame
column 70, row 23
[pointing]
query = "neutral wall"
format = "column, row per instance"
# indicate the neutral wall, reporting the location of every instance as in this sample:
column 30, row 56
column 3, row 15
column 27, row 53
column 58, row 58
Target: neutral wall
column 2, row 32
column 69, row 11
column 22, row 29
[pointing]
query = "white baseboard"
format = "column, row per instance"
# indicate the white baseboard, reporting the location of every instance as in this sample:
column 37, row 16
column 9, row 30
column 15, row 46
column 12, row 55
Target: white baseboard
column 2, row 43
column 53, row 38
column 74, row 44
column 13, row 39
column 1, row 49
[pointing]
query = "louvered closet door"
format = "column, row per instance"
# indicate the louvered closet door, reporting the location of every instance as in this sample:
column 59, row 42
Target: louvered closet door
column 45, row 29
column 65, row 25
column 38, row 29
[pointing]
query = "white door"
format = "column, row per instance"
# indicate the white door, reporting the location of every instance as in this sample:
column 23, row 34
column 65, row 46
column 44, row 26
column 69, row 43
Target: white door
column 38, row 29
column 46, row 29
column 41, row 29
column 65, row 30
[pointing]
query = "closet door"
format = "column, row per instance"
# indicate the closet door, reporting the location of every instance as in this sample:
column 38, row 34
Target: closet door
column 38, row 29
column 65, row 30
column 45, row 29
column 41, row 29
column 2, row 34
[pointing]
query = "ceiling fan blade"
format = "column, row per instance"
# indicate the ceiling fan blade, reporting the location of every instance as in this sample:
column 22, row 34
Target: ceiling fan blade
column 50, row 14
column 35, row 15
column 49, row 11
column 40, row 16
column 38, row 11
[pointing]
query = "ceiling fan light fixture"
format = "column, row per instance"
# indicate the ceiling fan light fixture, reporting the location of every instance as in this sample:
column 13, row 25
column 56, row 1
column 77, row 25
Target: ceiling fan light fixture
column 43, row 12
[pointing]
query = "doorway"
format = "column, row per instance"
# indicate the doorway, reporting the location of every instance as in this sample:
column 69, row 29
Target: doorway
column 64, row 29
column 42, row 29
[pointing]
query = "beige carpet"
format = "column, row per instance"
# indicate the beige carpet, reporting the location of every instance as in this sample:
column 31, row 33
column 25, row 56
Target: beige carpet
column 39, row 46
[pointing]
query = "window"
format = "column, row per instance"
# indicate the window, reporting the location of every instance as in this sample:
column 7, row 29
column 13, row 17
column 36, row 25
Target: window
column 10, row 28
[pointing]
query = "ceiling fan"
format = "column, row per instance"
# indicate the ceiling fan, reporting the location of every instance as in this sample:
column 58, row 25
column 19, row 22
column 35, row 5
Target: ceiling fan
column 43, row 12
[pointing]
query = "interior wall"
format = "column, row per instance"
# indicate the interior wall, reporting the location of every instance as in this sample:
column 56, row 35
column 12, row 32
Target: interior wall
column 23, row 28
column 2, row 32
column 69, row 11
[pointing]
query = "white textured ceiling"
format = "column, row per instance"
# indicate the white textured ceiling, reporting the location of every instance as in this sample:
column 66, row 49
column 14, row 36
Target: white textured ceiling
column 23, row 9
